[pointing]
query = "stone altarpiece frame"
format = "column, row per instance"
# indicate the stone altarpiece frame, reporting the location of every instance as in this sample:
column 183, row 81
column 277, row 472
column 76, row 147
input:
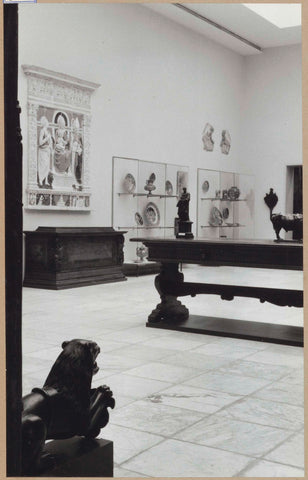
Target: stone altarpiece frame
column 59, row 118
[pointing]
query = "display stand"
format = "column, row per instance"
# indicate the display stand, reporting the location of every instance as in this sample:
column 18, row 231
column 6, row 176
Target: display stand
column 80, row 457
column 144, row 199
column 225, row 205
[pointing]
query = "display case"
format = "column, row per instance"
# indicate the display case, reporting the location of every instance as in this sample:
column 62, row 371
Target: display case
column 144, row 202
column 225, row 204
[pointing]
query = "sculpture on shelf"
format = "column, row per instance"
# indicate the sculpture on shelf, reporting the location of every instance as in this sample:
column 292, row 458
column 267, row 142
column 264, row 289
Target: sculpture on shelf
column 149, row 186
column 44, row 154
column 225, row 143
column 208, row 142
column 65, row 406
column 141, row 253
column 182, row 223
column 183, row 206
column 271, row 200
column 289, row 222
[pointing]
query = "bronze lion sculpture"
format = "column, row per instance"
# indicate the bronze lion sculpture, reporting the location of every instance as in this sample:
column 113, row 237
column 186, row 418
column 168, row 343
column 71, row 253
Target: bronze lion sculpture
column 66, row 405
column 290, row 222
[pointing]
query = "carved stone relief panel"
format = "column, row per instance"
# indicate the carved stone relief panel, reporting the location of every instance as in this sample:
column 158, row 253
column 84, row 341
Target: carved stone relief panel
column 59, row 119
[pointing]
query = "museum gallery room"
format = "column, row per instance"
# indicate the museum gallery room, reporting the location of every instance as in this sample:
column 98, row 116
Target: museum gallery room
column 162, row 232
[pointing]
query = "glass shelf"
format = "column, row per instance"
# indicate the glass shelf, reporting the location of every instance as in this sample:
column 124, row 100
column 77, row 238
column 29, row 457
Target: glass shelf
column 143, row 228
column 147, row 195
column 146, row 213
column 221, row 226
column 224, row 199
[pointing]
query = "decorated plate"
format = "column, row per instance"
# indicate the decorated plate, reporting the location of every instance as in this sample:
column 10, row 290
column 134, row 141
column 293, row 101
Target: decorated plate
column 129, row 183
column 152, row 215
column 215, row 217
column 138, row 218
column 169, row 188
column 225, row 213
column 205, row 186
column 234, row 193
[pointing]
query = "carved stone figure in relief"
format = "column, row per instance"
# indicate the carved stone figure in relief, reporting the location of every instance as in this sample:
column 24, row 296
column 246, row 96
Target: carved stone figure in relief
column 225, row 143
column 208, row 142
column 77, row 151
column 62, row 154
column 44, row 152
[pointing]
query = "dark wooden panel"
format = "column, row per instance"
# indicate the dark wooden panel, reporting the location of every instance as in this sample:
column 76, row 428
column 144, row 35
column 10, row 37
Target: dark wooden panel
column 225, row 327
column 58, row 258
column 241, row 253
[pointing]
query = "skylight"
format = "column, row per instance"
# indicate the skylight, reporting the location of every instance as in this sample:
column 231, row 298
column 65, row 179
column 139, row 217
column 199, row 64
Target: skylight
column 283, row 15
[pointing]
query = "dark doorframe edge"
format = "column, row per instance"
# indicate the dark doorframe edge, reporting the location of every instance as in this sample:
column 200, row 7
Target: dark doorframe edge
column 13, row 239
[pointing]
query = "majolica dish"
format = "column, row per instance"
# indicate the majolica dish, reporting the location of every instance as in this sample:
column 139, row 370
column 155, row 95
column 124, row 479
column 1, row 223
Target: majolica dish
column 205, row 186
column 225, row 213
column 151, row 214
column 169, row 188
column 215, row 217
column 129, row 183
column 234, row 193
column 139, row 219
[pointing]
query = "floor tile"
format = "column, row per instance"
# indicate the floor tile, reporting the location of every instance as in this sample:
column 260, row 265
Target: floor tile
column 264, row 412
column 296, row 377
column 135, row 387
column 173, row 458
column 163, row 371
column 197, row 361
column 192, row 398
column 233, row 435
column 290, row 452
column 145, row 353
column 262, row 468
column 283, row 355
column 128, row 442
column 256, row 370
column 135, row 334
column 234, row 342
column 115, row 363
column 149, row 408
column 227, row 383
column 282, row 392
column 119, row 472
column 155, row 418
column 32, row 364
column 171, row 343
column 45, row 353
column 220, row 349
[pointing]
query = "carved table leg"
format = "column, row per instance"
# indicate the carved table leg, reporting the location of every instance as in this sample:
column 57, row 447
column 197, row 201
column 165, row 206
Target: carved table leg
column 169, row 309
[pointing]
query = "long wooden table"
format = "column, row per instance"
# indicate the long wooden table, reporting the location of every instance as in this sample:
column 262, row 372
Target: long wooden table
column 170, row 313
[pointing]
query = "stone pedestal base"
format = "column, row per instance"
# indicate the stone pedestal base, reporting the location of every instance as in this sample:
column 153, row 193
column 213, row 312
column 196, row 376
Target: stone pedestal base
column 182, row 228
column 80, row 457
column 144, row 268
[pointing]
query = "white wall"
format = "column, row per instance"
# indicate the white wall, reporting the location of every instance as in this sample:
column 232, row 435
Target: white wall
column 272, row 126
column 160, row 84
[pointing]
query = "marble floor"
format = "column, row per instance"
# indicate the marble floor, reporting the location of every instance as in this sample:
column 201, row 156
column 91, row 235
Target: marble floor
column 187, row 405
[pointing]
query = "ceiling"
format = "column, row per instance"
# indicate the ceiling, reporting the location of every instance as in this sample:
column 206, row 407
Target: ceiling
column 234, row 17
